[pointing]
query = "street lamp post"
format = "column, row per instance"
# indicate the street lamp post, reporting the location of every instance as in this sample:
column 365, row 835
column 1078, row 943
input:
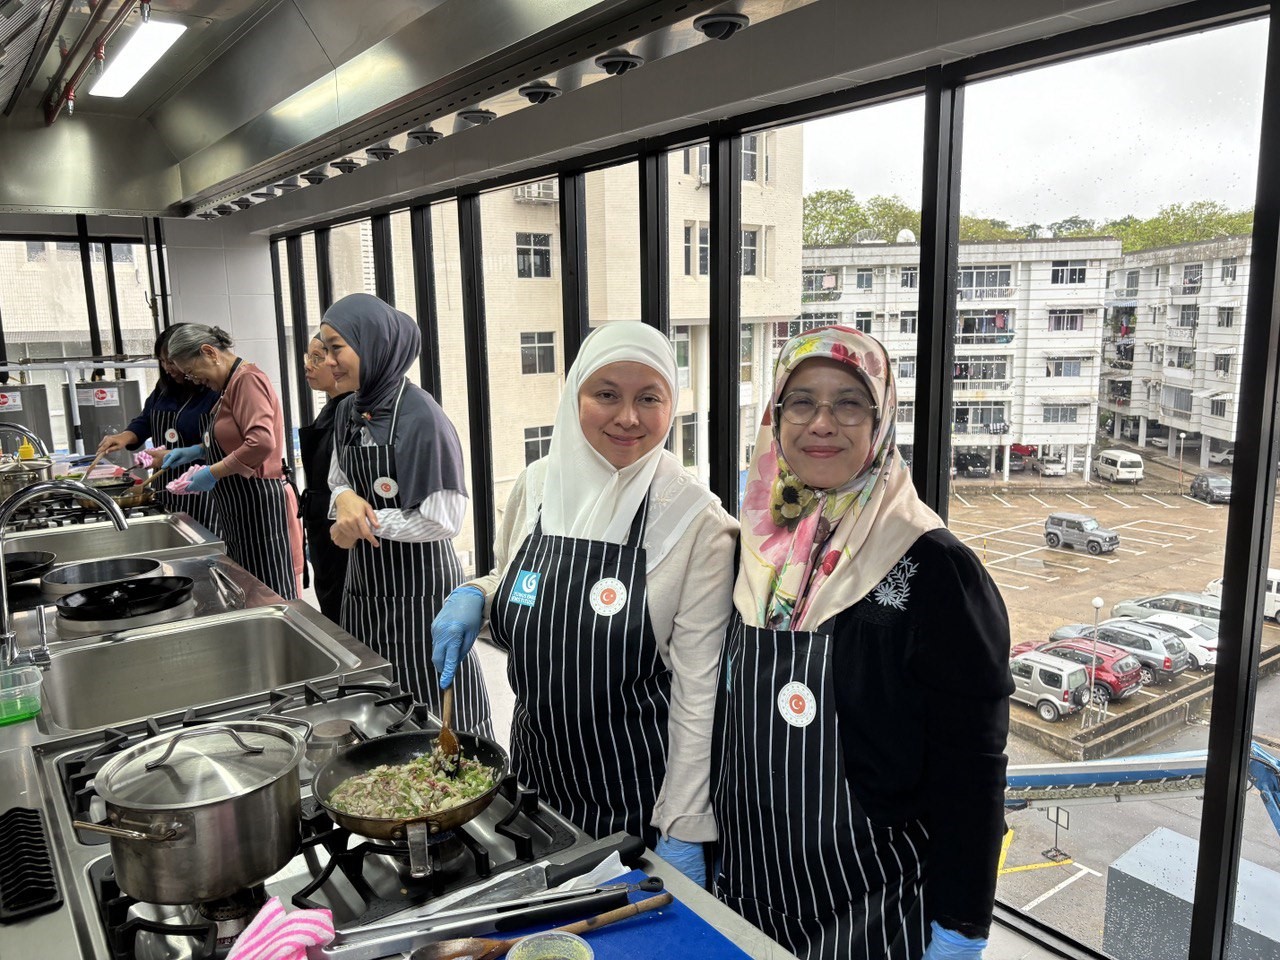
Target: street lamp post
column 1181, row 441
column 1091, row 703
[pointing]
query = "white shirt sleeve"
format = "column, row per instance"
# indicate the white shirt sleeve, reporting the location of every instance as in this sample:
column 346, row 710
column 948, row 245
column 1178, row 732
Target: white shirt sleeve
column 338, row 483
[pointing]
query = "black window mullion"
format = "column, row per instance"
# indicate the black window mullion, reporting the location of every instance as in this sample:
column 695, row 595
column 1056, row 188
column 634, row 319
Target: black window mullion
column 113, row 303
column 282, row 352
column 384, row 281
column 324, row 270
column 162, row 269
column 1246, row 553
column 725, row 316
column 573, row 263
column 424, row 279
column 477, row 358
column 939, row 250
column 655, row 265
column 301, row 335
column 90, row 297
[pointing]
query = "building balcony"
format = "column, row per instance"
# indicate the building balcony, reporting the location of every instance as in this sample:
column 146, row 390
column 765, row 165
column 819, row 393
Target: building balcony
column 1122, row 293
column 544, row 191
column 982, row 384
column 985, row 429
column 1179, row 333
column 820, row 296
column 1186, row 288
column 985, row 293
column 999, row 336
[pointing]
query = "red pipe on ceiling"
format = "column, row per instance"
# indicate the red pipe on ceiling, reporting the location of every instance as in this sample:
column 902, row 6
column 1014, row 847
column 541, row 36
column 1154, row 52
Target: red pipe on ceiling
column 68, row 92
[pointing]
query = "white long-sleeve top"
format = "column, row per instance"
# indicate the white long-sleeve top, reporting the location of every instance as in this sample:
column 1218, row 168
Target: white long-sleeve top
column 438, row 517
column 690, row 598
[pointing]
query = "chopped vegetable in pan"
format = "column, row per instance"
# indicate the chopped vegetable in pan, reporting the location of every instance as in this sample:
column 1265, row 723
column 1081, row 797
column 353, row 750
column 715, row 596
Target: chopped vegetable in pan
column 418, row 788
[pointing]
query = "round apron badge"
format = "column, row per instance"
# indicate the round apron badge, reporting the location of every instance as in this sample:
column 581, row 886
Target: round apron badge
column 171, row 436
column 608, row 596
column 386, row 487
column 797, row 704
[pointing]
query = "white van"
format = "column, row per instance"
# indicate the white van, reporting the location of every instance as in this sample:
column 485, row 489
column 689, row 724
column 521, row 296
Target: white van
column 1118, row 466
column 1270, row 603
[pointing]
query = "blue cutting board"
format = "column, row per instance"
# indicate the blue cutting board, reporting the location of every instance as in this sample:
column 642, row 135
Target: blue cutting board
column 673, row 931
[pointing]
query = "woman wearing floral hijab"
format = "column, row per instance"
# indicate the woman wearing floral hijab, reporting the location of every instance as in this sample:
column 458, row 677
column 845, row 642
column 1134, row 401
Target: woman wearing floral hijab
column 863, row 705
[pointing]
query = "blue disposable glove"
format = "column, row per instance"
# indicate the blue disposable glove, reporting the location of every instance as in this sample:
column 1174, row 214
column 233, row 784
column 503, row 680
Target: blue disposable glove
column 949, row 945
column 686, row 857
column 454, row 630
column 181, row 456
column 201, row 481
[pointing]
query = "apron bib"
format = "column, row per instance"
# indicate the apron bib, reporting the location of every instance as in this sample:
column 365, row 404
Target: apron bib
column 254, row 513
column 164, row 432
column 800, row 860
column 592, row 693
column 393, row 591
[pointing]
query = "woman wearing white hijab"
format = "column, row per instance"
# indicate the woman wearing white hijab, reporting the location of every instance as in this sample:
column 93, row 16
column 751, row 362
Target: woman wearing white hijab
column 611, row 591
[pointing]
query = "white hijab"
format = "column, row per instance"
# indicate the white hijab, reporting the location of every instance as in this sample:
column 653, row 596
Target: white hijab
column 579, row 492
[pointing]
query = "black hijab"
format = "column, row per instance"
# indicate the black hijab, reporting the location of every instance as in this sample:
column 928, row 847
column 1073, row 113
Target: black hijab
column 428, row 453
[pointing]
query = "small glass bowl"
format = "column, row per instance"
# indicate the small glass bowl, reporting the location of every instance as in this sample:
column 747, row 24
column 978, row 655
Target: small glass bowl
column 552, row 945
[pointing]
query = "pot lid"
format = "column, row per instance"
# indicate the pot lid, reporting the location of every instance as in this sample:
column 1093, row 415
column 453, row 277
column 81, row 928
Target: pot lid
column 199, row 765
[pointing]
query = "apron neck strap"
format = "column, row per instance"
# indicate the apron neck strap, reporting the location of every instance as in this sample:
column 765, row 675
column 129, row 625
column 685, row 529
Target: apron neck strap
column 635, row 535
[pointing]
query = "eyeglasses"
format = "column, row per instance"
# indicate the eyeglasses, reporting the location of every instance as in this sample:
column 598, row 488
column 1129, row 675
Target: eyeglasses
column 799, row 409
column 311, row 362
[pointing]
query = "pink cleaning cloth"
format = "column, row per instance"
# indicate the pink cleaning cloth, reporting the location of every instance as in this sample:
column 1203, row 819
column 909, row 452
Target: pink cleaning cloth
column 178, row 486
column 143, row 458
column 276, row 935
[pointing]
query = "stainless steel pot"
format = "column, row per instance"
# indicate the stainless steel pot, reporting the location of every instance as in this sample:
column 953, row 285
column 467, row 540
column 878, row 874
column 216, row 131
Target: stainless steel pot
column 17, row 475
column 93, row 573
column 204, row 812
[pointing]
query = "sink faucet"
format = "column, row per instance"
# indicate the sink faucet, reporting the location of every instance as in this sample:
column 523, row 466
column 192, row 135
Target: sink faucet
column 28, row 433
column 8, row 639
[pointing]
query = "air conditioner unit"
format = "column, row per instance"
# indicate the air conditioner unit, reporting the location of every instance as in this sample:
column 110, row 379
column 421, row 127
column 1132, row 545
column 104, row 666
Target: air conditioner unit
column 704, row 174
column 879, row 271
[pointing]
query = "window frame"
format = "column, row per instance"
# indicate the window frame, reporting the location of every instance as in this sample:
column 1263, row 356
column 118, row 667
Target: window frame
column 538, row 352
column 532, row 253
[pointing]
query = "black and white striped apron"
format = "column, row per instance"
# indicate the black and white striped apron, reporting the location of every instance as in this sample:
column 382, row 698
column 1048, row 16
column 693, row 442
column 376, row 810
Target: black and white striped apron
column 394, row 590
column 164, row 433
column 254, row 513
column 592, row 693
column 799, row 858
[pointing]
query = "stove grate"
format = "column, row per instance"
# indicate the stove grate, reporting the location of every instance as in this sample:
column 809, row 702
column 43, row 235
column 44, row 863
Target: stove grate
column 28, row 885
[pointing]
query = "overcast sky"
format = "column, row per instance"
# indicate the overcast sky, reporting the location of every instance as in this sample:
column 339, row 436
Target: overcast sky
column 1126, row 132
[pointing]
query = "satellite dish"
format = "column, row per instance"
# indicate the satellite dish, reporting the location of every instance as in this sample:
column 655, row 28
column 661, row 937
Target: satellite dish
column 866, row 235
column 906, row 236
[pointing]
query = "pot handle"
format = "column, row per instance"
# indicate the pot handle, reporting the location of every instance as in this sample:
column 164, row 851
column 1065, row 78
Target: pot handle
column 199, row 731
column 419, row 858
column 168, row 834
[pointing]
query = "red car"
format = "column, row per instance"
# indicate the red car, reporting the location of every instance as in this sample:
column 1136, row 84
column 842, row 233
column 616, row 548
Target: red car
column 1119, row 675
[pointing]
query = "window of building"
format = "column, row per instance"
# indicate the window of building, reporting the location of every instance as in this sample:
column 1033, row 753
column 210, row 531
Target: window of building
column 1188, row 315
column 1066, row 320
column 689, row 439
column 750, row 156
column 906, row 369
column 37, row 251
column 746, row 353
column 984, row 326
column 784, row 330
column 533, row 255
column 980, row 418
column 907, row 321
column 979, row 372
column 1064, row 367
column 67, row 250
column 1222, row 363
column 862, row 321
column 819, row 283
column 1218, row 408
column 1182, row 358
column 1067, row 271
column 537, row 443
column 538, row 352
column 680, row 342
column 699, row 254
column 909, row 279
column 750, row 252
column 1192, row 277
column 1228, row 274
column 1060, row 413
column 907, row 412
column 697, row 161
column 990, row 282
column 1176, row 399
column 1226, row 316
column 863, row 278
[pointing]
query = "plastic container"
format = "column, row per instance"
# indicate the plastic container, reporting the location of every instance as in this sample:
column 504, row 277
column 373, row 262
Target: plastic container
column 552, row 945
column 19, row 694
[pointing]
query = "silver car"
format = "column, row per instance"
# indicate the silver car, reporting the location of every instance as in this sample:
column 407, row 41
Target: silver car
column 1079, row 530
column 1199, row 606
column 1054, row 686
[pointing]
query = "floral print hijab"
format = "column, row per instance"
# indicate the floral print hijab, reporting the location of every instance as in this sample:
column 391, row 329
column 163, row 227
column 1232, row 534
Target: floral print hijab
column 808, row 554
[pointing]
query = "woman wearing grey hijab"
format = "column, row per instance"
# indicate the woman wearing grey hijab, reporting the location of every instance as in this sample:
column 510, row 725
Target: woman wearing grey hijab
column 398, row 500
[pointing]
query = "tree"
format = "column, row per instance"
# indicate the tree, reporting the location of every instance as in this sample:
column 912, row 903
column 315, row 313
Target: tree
column 1180, row 223
column 889, row 216
column 985, row 230
column 832, row 217
column 1073, row 227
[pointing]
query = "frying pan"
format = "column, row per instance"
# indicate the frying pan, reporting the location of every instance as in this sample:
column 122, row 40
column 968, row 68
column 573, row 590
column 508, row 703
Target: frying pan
column 397, row 748
column 27, row 565
column 128, row 598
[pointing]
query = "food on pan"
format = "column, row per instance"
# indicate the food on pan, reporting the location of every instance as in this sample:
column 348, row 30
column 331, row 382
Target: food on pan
column 419, row 788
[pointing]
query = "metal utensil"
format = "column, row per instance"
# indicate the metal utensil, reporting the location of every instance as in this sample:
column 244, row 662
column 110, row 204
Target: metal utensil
column 482, row 948
column 447, row 743
column 542, row 876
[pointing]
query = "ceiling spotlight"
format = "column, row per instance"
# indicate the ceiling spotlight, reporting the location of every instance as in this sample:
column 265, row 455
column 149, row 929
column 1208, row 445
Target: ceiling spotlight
column 381, row 151
column 224, row 209
column 315, row 176
column 720, row 26
column 9, row 8
column 266, row 193
column 290, row 185
column 540, row 91
column 346, row 165
column 617, row 62
column 145, row 8
column 425, row 135
column 207, row 215
column 477, row 116
column 242, row 203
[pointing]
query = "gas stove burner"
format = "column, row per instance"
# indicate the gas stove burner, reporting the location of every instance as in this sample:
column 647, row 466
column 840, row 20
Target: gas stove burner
column 338, row 732
column 241, row 905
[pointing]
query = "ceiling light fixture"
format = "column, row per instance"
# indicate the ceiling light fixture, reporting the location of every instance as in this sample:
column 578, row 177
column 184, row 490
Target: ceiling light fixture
column 425, row 135
column 346, row 165
column 478, row 116
column 381, row 151
column 315, row 176
column 242, row 203
column 148, row 44
column 289, row 185
column 540, row 91
column 720, row 26
column 617, row 62
column 224, row 209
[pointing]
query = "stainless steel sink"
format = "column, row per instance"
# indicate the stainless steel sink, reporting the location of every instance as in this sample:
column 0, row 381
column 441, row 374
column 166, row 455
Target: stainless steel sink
column 158, row 669
column 161, row 537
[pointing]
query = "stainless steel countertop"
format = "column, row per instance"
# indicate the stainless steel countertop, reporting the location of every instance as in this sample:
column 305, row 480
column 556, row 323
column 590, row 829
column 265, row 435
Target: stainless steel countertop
column 197, row 541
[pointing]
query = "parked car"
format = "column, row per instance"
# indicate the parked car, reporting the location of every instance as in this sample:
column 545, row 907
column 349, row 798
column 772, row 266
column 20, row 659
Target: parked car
column 1270, row 601
column 1161, row 655
column 1202, row 607
column 1118, row 466
column 972, row 464
column 1116, row 676
column 1079, row 530
column 1211, row 488
column 1158, row 441
column 1048, row 466
column 1055, row 687
column 1201, row 640
column 1223, row 456
column 1017, row 463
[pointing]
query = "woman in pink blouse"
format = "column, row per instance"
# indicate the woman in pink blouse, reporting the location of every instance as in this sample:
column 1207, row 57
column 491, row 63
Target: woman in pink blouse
column 244, row 448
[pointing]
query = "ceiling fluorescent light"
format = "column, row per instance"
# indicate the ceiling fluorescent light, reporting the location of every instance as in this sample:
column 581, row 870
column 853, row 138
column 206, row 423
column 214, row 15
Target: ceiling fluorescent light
column 147, row 45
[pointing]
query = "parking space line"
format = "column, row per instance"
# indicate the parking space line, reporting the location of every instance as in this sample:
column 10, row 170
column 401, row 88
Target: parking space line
column 1147, row 693
column 1180, row 526
column 1002, row 500
column 1167, row 506
column 1010, row 586
column 1198, row 503
column 963, row 500
column 1127, row 506
column 1154, row 543
column 1079, row 501
column 1038, row 500
column 1136, row 553
column 1081, row 870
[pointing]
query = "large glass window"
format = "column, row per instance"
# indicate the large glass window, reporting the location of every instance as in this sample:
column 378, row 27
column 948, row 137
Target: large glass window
column 351, row 259
column 689, row 242
column 613, row 243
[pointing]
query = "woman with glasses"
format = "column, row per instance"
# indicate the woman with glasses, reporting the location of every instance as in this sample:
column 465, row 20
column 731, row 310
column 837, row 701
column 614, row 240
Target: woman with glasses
column 244, row 449
column 863, row 698
column 399, row 498
column 176, row 414
column 610, row 594
column 315, row 444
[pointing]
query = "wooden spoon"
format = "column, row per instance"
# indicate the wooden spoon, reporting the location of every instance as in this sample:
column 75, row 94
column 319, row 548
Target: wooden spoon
column 93, row 463
column 483, row 948
column 447, row 743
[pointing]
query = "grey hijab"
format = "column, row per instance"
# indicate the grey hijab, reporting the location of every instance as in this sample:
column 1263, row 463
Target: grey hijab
column 428, row 454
